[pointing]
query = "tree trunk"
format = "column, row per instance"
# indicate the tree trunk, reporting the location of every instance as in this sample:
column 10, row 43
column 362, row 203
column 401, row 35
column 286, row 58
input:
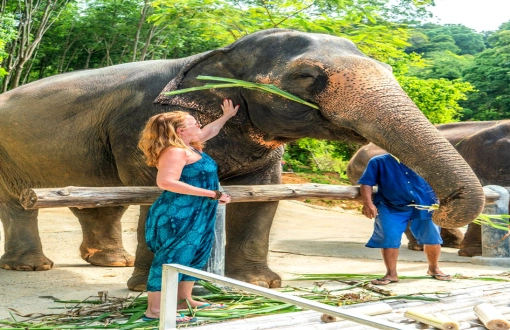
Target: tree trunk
column 66, row 47
column 70, row 59
column 143, row 16
column 147, row 43
column 30, row 35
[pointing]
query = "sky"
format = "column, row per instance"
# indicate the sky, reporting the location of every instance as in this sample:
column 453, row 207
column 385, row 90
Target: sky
column 480, row 15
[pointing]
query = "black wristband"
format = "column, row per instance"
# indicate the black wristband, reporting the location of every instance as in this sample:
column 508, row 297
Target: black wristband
column 217, row 196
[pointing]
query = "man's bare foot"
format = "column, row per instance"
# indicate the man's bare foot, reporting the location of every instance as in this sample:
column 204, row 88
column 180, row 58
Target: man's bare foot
column 439, row 275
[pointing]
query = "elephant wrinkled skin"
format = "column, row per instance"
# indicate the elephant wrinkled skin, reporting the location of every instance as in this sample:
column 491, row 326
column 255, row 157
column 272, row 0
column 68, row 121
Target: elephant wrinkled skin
column 81, row 129
column 485, row 146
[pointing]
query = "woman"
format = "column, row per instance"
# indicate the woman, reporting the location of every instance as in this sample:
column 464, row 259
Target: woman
column 180, row 224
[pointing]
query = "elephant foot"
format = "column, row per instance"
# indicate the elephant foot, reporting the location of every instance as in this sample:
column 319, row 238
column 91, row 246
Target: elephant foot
column 261, row 276
column 414, row 246
column 455, row 245
column 471, row 251
column 107, row 257
column 138, row 280
column 38, row 263
column 452, row 238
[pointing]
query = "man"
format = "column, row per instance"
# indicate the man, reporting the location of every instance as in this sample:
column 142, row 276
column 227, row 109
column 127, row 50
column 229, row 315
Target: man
column 398, row 187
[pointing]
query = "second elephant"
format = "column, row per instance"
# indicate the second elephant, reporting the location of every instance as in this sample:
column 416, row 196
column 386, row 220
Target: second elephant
column 485, row 145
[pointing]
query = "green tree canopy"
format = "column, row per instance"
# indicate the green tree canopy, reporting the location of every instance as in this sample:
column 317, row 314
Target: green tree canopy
column 7, row 35
column 455, row 38
column 490, row 74
column 443, row 65
column 436, row 98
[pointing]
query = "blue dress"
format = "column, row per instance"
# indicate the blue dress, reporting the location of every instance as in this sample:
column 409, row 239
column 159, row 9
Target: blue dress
column 180, row 228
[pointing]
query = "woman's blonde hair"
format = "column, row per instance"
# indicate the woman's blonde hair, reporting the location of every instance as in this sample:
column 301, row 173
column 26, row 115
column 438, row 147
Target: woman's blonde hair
column 160, row 132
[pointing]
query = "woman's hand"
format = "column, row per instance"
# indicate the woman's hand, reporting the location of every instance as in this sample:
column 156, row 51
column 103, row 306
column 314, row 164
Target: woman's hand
column 212, row 129
column 224, row 198
column 228, row 108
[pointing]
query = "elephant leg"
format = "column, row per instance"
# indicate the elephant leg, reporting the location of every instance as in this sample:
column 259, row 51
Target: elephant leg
column 102, row 236
column 413, row 243
column 23, row 248
column 452, row 237
column 472, row 244
column 248, row 227
column 143, row 260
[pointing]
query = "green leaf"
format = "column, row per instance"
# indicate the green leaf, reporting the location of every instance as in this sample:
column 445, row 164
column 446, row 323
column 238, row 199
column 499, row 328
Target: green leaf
column 230, row 83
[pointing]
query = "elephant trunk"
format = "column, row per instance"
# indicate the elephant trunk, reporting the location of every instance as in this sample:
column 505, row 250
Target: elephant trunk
column 418, row 145
column 388, row 117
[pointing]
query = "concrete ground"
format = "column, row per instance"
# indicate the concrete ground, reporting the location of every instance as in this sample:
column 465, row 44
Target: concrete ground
column 303, row 239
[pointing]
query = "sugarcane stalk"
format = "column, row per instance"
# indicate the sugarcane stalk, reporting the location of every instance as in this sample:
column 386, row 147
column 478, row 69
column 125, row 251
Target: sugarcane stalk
column 372, row 288
column 230, row 83
column 437, row 320
column 369, row 310
column 491, row 317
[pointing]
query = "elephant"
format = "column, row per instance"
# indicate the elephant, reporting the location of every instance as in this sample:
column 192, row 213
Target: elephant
column 81, row 128
column 485, row 145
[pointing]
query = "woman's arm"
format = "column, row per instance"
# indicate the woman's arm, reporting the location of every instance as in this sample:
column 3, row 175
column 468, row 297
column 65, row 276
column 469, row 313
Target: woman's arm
column 170, row 165
column 212, row 129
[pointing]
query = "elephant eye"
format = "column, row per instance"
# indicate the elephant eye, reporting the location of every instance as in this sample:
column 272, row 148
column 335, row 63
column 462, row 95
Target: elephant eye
column 303, row 75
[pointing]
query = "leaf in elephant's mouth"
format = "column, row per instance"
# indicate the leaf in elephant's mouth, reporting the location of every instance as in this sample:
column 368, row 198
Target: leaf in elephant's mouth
column 230, row 83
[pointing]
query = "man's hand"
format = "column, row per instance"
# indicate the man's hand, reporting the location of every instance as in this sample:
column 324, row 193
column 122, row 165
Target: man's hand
column 369, row 210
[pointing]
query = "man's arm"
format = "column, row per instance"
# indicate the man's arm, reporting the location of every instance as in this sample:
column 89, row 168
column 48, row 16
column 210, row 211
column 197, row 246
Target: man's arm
column 369, row 210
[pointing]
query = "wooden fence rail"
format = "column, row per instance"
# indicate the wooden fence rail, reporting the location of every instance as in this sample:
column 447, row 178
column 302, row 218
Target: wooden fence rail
column 87, row 197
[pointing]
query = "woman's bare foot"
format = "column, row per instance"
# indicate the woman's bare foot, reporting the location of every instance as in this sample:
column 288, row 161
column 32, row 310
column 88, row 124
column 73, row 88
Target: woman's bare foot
column 183, row 304
column 181, row 318
column 152, row 315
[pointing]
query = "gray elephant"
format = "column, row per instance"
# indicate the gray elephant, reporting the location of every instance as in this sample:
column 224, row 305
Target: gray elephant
column 485, row 146
column 81, row 129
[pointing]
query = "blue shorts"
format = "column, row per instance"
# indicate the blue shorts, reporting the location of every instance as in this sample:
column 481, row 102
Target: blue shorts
column 389, row 227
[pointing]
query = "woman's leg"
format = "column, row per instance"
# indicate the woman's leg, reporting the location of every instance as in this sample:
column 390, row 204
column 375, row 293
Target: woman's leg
column 184, row 293
column 154, row 304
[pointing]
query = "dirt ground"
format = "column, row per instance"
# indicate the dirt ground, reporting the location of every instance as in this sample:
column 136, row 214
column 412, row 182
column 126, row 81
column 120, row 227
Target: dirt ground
column 304, row 239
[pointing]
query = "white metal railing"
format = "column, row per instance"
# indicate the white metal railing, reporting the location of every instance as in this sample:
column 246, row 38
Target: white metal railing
column 169, row 298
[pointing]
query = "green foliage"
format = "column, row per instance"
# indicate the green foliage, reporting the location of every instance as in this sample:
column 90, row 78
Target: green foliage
column 497, row 221
column 455, row 38
column 443, row 65
column 490, row 74
column 319, row 155
column 7, row 34
column 436, row 98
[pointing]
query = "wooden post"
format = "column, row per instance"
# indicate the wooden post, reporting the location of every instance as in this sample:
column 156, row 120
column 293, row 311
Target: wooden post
column 90, row 197
column 216, row 263
column 495, row 242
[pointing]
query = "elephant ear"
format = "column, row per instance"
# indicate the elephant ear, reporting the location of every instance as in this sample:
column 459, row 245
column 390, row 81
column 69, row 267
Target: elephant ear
column 200, row 64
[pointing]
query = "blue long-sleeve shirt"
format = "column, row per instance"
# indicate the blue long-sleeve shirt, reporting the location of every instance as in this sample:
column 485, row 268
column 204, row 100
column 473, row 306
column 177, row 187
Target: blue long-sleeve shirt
column 397, row 186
